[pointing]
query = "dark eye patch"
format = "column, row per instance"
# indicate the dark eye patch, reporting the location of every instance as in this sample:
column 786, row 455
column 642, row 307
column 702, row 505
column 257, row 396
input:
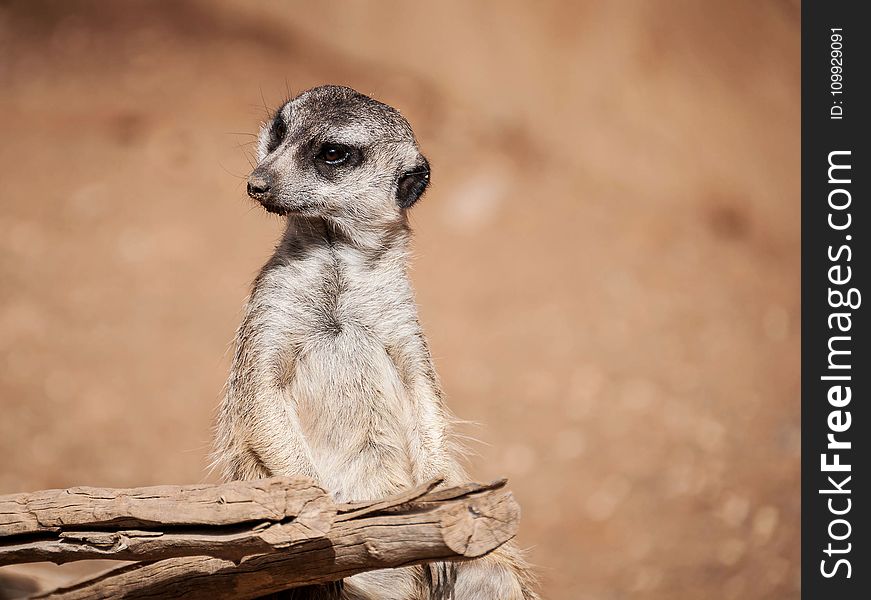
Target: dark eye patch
column 332, row 157
column 277, row 133
column 334, row 154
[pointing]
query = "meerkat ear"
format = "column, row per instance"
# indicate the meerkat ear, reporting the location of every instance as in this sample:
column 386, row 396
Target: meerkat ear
column 412, row 184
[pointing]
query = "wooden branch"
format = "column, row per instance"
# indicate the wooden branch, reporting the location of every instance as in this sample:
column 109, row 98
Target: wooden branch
column 164, row 505
column 230, row 520
column 414, row 527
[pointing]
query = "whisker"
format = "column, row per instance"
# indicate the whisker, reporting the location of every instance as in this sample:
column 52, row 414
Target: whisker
column 267, row 111
column 229, row 172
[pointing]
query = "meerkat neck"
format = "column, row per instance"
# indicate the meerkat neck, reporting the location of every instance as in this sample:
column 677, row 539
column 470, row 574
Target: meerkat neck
column 316, row 264
column 378, row 240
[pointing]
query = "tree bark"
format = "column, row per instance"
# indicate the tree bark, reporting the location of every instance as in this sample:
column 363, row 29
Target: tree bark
column 230, row 520
column 272, row 499
column 262, row 548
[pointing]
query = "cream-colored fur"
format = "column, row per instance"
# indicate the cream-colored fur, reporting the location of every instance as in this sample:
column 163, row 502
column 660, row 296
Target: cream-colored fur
column 331, row 375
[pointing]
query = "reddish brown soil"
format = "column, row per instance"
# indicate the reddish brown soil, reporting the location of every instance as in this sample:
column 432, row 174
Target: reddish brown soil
column 607, row 264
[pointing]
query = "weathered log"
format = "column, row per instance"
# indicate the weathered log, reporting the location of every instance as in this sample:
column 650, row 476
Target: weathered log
column 415, row 527
column 230, row 520
column 272, row 499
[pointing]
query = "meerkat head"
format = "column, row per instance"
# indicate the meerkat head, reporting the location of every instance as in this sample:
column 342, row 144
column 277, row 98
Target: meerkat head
column 334, row 153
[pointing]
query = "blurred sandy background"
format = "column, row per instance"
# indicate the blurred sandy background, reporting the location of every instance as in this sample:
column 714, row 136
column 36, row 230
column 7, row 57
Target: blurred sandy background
column 607, row 264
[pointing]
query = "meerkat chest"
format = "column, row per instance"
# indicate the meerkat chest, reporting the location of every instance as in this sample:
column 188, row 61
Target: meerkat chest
column 316, row 302
column 349, row 394
column 356, row 414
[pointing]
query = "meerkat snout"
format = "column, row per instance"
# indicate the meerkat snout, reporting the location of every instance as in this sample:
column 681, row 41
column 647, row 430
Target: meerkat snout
column 334, row 153
column 259, row 184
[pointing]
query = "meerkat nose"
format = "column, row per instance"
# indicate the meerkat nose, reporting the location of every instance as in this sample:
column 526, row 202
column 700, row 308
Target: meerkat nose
column 259, row 184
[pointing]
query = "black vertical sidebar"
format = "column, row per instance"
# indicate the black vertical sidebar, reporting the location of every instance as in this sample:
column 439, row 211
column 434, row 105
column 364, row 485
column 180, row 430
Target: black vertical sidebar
column 836, row 225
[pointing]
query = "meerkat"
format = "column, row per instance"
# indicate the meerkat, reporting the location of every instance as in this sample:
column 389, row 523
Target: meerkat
column 331, row 375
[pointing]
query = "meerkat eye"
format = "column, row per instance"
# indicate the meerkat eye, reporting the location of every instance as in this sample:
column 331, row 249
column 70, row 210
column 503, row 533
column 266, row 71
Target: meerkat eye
column 277, row 133
column 333, row 154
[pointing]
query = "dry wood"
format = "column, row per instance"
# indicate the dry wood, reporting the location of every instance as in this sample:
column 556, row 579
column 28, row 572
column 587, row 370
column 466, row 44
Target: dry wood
column 230, row 520
column 410, row 528
column 165, row 505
